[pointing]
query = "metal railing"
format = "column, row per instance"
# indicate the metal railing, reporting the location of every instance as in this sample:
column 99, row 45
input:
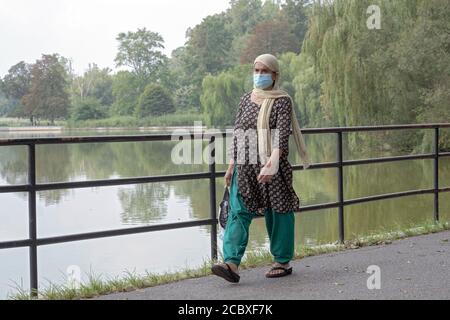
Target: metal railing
column 33, row 242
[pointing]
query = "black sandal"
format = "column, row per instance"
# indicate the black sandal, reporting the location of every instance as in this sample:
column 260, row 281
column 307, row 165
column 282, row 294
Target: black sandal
column 286, row 272
column 226, row 273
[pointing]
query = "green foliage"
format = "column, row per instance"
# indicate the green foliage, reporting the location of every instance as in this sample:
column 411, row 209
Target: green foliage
column 379, row 77
column 140, row 51
column 209, row 43
column 17, row 82
column 125, row 93
column 307, row 87
column 154, row 101
column 269, row 36
column 6, row 105
column 221, row 94
column 182, row 119
column 88, row 108
column 47, row 97
column 96, row 83
column 295, row 13
column 14, row 86
column 244, row 15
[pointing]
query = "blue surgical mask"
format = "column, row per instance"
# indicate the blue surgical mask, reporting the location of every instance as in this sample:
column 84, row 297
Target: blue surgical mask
column 262, row 81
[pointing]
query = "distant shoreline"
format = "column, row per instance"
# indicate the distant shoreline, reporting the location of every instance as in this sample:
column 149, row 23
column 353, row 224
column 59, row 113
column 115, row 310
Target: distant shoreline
column 60, row 129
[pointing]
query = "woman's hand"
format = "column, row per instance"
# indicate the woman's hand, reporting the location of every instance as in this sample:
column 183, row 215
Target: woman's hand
column 229, row 174
column 266, row 174
column 271, row 168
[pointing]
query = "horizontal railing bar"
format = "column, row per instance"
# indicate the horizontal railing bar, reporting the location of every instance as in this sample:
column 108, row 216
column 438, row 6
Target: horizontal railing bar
column 106, row 234
column 120, row 182
column 325, row 165
column 375, row 128
column 93, row 139
column 123, row 232
column 204, row 135
column 366, row 161
column 316, row 207
column 201, row 135
column 388, row 196
column 105, row 183
column 14, row 189
column 388, row 159
column 15, row 244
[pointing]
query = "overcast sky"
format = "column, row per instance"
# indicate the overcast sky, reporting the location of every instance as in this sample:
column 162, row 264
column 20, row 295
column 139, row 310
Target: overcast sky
column 86, row 30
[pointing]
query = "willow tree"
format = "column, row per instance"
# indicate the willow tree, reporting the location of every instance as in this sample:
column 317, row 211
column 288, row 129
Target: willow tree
column 364, row 73
column 221, row 94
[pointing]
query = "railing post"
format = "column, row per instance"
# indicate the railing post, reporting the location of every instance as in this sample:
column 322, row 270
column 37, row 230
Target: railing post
column 32, row 223
column 340, row 159
column 436, row 175
column 212, row 197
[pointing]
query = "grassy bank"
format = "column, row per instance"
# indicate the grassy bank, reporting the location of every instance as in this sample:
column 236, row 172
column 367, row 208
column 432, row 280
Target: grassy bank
column 170, row 120
column 20, row 122
column 175, row 119
column 96, row 285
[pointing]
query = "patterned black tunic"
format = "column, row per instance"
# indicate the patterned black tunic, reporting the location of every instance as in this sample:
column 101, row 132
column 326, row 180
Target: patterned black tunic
column 278, row 194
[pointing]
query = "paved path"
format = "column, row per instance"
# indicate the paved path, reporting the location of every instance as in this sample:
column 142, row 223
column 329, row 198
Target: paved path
column 414, row 268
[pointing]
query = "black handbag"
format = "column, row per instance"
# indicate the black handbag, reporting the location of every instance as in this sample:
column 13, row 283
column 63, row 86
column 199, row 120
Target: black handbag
column 224, row 208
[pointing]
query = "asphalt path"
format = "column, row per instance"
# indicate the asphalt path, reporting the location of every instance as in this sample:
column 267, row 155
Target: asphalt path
column 413, row 268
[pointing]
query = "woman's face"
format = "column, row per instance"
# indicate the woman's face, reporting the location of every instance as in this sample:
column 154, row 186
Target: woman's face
column 263, row 69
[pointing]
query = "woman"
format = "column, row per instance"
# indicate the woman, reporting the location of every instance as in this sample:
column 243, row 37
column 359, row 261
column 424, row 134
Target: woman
column 265, row 187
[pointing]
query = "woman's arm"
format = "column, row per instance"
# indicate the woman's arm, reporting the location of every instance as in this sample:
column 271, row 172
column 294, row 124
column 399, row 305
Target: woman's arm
column 233, row 149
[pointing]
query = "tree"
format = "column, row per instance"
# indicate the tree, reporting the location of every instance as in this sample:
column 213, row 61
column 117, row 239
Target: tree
column 295, row 12
column 140, row 51
column 393, row 75
column 47, row 97
column 184, row 86
column 206, row 52
column 96, row 83
column 244, row 14
column 154, row 101
column 272, row 37
column 15, row 85
column 307, row 89
column 5, row 103
column 221, row 93
column 88, row 108
column 210, row 42
column 425, row 59
column 125, row 93
column 17, row 82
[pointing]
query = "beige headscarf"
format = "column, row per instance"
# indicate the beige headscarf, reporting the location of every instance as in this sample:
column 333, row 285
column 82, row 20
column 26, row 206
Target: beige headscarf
column 267, row 98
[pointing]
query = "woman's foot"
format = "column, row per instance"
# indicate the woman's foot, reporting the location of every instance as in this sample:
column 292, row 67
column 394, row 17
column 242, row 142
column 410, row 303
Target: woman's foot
column 279, row 270
column 233, row 267
column 228, row 271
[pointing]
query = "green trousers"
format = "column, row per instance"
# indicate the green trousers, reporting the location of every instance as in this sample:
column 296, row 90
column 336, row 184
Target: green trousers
column 280, row 227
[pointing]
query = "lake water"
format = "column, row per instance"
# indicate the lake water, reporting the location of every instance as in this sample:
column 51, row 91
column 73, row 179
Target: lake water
column 97, row 209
